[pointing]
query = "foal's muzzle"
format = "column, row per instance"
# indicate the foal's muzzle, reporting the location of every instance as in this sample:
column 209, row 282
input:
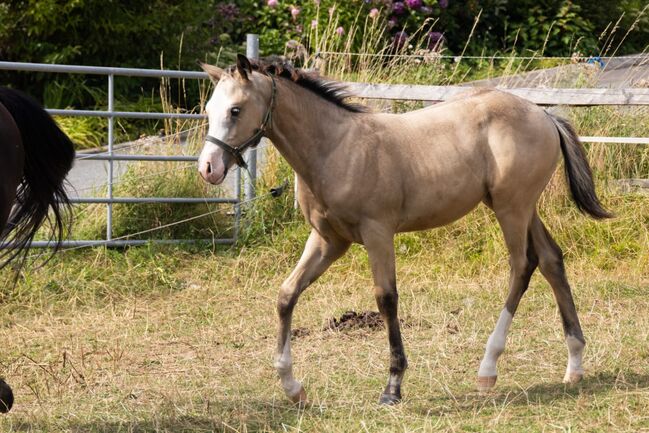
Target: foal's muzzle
column 212, row 167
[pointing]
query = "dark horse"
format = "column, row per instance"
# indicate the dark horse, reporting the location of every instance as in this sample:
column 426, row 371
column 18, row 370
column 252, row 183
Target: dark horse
column 35, row 157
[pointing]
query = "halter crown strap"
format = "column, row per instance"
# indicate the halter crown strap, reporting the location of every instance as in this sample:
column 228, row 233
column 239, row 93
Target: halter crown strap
column 237, row 152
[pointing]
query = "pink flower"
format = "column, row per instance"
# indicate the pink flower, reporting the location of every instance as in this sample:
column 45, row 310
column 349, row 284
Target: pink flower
column 374, row 13
column 272, row 3
column 295, row 11
column 317, row 2
column 340, row 31
column 314, row 24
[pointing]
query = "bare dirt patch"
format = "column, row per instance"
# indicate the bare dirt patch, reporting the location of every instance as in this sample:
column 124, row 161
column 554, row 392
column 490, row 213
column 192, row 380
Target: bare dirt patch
column 350, row 320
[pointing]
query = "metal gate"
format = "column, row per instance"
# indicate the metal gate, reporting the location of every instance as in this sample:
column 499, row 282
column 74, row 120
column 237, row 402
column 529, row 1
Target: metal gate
column 111, row 156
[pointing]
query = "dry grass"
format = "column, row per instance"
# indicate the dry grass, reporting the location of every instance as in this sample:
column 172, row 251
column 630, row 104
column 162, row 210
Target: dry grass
column 170, row 340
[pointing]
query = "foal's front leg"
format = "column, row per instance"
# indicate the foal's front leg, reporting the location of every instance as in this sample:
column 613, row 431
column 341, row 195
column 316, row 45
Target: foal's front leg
column 319, row 253
column 380, row 249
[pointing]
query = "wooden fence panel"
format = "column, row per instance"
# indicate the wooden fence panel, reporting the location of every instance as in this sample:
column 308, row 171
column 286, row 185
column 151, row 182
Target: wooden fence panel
column 541, row 96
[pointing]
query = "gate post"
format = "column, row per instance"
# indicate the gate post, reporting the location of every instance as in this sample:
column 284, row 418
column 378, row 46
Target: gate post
column 252, row 52
column 111, row 138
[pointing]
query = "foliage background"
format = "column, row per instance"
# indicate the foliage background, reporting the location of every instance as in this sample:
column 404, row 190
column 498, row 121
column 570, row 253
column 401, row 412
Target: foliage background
column 140, row 34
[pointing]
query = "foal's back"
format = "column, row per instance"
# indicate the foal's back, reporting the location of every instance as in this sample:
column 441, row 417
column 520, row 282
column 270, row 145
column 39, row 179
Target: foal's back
column 484, row 145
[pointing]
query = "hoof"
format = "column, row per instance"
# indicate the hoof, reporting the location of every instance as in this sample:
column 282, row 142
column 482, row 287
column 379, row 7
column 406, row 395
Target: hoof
column 572, row 378
column 299, row 399
column 6, row 397
column 486, row 383
column 389, row 399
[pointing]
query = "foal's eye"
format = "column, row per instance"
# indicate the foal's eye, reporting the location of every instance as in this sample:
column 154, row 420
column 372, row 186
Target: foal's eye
column 234, row 111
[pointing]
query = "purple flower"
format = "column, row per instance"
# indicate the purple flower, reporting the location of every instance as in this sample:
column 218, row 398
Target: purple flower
column 340, row 31
column 229, row 11
column 414, row 4
column 374, row 13
column 295, row 11
column 435, row 40
column 393, row 21
column 443, row 3
column 398, row 8
column 400, row 39
column 272, row 3
column 426, row 10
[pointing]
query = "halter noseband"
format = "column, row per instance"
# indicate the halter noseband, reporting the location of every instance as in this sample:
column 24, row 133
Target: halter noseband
column 237, row 152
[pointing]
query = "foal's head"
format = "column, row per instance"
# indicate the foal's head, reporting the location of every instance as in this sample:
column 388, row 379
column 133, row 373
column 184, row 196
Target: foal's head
column 238, row 109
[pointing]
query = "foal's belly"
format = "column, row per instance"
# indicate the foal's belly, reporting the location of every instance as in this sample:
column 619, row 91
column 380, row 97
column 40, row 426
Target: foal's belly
column 440, row 205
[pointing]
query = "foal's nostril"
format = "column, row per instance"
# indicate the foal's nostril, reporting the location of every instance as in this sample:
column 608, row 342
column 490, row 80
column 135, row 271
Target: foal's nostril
column 209, row 168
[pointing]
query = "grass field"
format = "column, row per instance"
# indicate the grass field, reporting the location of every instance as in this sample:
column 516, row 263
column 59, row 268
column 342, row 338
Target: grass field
column 182, row 340
column 156, row 339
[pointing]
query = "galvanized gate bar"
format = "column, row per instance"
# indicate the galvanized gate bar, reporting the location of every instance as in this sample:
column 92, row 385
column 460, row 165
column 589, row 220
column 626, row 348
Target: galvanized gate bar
column 110, row 114
column 125, row 243
column 124, row 157
column 137, row 200
column 123, row 114
column 100, row 70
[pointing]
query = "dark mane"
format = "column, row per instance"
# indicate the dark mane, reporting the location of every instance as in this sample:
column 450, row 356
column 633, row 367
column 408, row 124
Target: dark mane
column 332, row 91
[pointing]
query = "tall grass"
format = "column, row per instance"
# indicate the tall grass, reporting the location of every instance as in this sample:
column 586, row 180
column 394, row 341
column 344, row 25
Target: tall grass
column 410, row 62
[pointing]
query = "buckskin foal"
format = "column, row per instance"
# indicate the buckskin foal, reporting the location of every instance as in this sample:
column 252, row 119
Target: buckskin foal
column 365, row 176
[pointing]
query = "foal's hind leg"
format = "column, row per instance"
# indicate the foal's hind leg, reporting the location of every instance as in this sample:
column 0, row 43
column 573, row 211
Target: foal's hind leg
column 552, row 268
column 523, row 261
column 319, row 254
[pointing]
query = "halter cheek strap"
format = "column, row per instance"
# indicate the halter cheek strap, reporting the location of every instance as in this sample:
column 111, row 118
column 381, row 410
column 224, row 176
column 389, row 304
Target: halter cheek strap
column 237, row 151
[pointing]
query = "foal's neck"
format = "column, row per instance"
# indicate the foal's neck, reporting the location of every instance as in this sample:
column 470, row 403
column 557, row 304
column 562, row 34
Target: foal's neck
column 307, row 128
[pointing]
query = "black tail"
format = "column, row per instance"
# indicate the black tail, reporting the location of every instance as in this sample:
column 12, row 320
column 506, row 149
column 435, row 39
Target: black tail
column 578, row 173
column 49, row 155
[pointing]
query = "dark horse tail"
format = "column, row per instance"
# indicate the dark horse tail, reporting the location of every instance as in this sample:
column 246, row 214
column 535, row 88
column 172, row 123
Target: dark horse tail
column 578, row 172
column 49, row 155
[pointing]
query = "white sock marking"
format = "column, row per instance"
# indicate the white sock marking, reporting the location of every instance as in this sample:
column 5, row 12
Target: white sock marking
column 284, row 366
column 575, row 352
column 495, row 345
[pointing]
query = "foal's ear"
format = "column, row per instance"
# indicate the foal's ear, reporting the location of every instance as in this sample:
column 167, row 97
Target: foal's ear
column 243, row 67
column 214, row 72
